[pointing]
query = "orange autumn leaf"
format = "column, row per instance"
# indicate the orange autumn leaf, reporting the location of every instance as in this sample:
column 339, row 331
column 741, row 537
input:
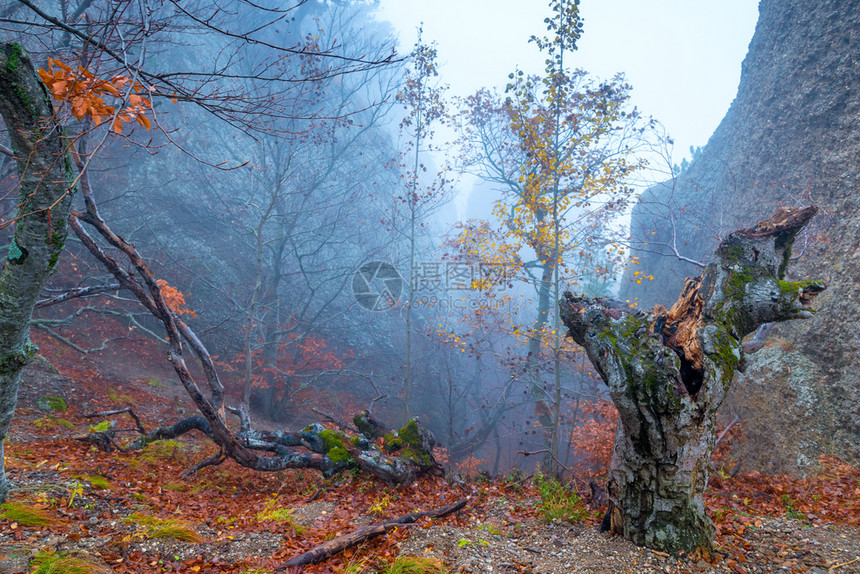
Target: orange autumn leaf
column 84, row 94
column 175, row 299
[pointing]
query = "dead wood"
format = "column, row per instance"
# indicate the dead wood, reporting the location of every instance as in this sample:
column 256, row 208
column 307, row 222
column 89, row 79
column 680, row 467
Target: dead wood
column 335, row 546
column 370, row 426
column 668, row 372
column 330, row 451
column 129, row 410
column 598, row 496
column 343, row 425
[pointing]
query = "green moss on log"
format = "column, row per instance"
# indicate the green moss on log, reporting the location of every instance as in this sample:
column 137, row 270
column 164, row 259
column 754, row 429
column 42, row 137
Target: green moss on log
column 410, row 433
column 334, row 449
column 417, row 456
column 392, row 442
column 363, row 426
column 13, row 57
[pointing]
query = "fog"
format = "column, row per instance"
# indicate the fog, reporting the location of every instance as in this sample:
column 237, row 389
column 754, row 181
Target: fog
column 344, row 233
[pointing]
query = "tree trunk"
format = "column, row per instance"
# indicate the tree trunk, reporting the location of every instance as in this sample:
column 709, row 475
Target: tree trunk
column 668, row 372
column 44, row 199
column 534, row 365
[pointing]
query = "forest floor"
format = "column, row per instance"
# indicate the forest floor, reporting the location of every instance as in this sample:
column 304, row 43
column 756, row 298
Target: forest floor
column 76, row 506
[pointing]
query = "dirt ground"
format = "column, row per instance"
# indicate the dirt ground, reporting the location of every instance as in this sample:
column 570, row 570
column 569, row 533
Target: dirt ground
column 132, row 512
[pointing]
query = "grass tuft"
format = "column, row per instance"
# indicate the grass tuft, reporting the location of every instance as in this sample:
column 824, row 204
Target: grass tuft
column 177, row 487
column 175, row 531
column 155, row 382
column 117, row 397
column 52, row 422
column 415, row 565
column 283, row 515
column 161, row 450
column 95, row 480
column 490, row 528
column 158, row 528
column 26, row 515
column 557, row 502
column 52, row 563
column 53, row 403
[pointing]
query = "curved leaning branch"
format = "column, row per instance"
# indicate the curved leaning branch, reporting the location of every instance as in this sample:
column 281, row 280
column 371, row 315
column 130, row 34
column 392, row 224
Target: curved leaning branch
column 328, row 451
column 409, row 452
column 669, row 371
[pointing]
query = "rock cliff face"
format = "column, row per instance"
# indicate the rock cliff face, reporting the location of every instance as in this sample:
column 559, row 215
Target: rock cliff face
column 791, row 137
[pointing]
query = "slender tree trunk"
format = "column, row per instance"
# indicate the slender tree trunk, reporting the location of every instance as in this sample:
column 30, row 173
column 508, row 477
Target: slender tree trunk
column 45, row 175
column 556, row 361
column 556, row 262
column 668, row 372
column 413, row 206
column 533, row 365
column 271, row 322
column 253, row 304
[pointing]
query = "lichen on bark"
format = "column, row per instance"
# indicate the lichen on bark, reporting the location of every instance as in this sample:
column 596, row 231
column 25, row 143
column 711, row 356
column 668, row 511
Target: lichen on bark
column 669, row 371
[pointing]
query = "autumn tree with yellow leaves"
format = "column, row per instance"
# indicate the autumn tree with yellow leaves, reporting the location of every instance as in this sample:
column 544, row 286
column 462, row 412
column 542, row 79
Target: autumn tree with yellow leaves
column 559, row 147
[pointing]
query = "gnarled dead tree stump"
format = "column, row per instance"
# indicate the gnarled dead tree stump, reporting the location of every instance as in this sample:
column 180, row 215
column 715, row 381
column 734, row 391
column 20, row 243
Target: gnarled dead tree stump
column 668, row 372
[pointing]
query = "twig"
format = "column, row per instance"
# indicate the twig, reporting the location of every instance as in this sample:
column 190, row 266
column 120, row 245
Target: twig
column 834, row 567
column 757, row 342
column 342, row 424
column 558, row 462
column 726, row 430
column 79, row 292
column 341, row 543
column 211, row 461
column 129, row 410
column 460, row 484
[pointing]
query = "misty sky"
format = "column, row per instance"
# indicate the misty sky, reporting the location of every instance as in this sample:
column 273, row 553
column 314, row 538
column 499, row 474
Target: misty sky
column 683, row 57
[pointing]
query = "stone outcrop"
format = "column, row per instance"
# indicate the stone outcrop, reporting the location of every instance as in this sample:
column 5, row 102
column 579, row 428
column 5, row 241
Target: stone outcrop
column 791, row 137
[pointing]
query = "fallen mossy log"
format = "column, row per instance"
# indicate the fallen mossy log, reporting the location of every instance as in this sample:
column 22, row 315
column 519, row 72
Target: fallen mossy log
column 402, row 456
column 337, row 545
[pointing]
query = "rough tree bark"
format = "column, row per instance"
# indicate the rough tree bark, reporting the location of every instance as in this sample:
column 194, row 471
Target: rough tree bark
column 44, row 198
column 668, row 372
